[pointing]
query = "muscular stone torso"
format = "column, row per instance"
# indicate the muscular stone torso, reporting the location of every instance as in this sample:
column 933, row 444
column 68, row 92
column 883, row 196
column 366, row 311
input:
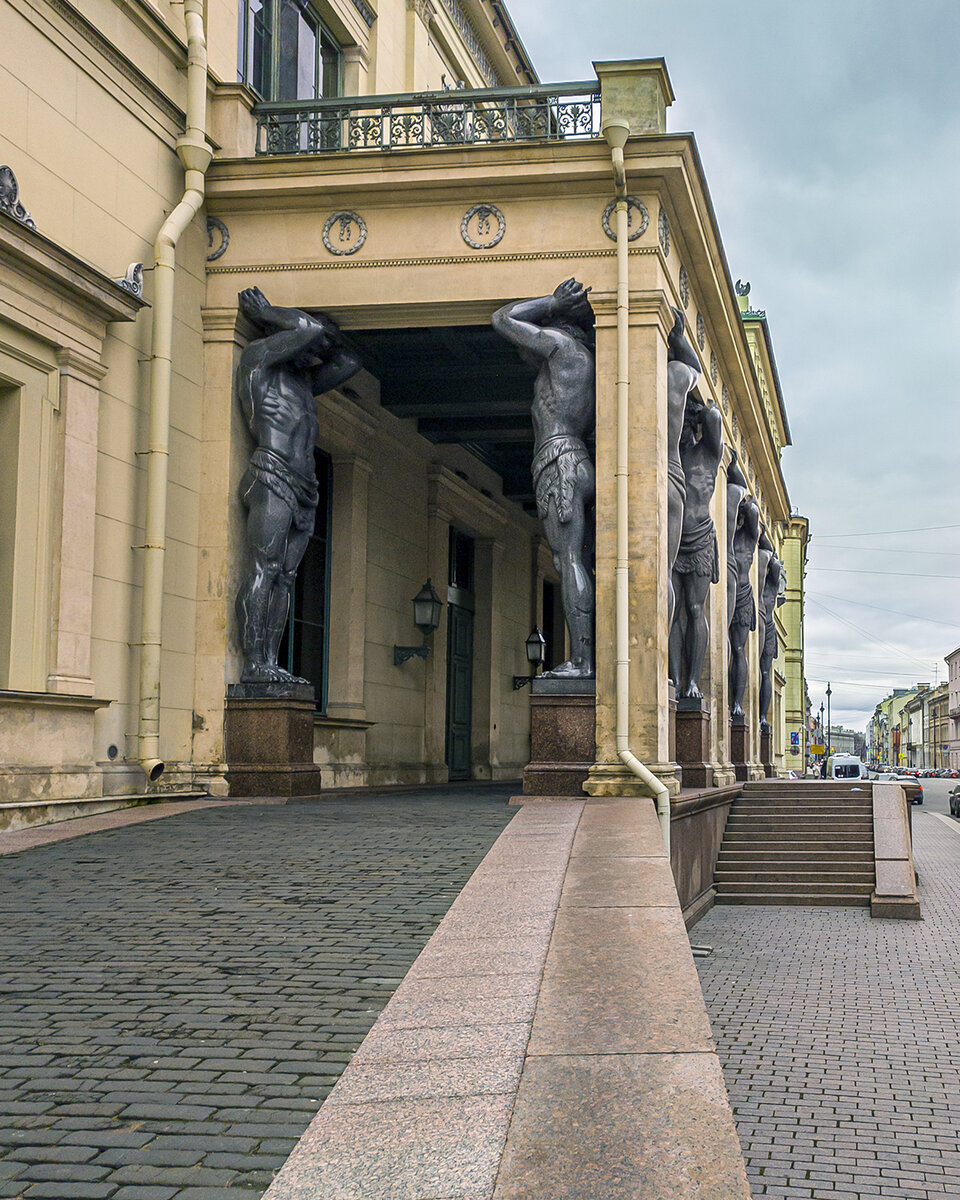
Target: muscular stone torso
column 285, row 419
column 563, row 397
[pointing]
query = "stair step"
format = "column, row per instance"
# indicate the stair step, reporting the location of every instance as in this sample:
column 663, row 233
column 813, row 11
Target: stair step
column 823, row 858
column 730, row 876
column 815, row 888
column 776, row 898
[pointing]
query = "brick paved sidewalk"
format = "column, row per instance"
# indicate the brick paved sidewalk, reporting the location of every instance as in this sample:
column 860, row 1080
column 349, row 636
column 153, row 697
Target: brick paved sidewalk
column 178, row 996
column 840, row 1038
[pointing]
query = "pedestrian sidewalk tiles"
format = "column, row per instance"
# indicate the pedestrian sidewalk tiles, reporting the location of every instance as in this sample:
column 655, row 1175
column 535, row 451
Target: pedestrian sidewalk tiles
column 839, row 1036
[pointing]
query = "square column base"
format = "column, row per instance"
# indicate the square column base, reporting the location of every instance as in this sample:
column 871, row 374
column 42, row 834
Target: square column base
column 766, row 753
column 563, row 718
column 693, row 744
column 269, row 746
column 738, row 750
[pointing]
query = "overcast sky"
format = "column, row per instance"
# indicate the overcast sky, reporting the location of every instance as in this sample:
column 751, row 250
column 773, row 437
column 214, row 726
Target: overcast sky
column 830, row 137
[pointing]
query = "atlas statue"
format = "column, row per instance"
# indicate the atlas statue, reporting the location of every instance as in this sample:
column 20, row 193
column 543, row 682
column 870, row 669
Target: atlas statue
column 772, row 595
column 297, row 357
column 697, row 563
column 744, row 612
column 555, row 334
column 683, row 373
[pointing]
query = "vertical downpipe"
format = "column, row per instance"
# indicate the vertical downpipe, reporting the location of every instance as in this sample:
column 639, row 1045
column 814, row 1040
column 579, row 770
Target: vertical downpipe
column 195, row 155
column 616, row 133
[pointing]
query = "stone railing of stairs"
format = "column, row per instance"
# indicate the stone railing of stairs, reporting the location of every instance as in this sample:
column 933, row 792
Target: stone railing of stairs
column 550, row 1041
column 819, row 843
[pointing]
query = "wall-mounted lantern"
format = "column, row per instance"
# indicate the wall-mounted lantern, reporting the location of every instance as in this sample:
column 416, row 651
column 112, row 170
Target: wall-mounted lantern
column 426, row 617
column 535, row 646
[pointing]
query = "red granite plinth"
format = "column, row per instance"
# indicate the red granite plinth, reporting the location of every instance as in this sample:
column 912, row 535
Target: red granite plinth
column 269, row 744
column 693, row 746
column 738, row 750
column 562, row 742
column 766, row 753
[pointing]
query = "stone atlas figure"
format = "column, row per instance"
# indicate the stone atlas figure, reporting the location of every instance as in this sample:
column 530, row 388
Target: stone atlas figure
column 698, row 560
column 736, row 490
column 683, row 372
column 744, row 612
column 556, row 335
column 771, row 597
column 297, row 358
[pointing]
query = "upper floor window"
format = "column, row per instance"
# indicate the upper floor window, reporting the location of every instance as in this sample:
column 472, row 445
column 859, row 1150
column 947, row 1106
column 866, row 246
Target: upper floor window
column 285, row 52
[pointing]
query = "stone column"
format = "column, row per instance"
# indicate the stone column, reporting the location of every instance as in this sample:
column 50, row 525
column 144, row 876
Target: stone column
column 718, row 653
column 356, row 68
column 435, row 667
column 225, row 451
column 487, row 652
column 649, row 718
column 74, row 525
column 348, row 587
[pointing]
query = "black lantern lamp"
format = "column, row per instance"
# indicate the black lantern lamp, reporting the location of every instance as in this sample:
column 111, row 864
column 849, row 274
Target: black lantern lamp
column 535, row 646
column 426, row 617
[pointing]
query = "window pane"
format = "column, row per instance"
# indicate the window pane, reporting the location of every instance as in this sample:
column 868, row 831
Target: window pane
column 306, row 59
column 330, row 59
column 260, row 34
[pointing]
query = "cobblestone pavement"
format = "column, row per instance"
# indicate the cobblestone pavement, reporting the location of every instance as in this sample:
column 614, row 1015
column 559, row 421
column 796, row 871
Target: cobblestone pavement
column 178, row 997
column 839, row 1037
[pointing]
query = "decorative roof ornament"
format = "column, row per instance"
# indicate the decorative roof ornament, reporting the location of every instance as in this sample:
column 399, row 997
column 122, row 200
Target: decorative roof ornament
column 663, row 229
column 741, row 288
column 633, row 206
column 215, row 225
column 132, row 282
column 10, row 198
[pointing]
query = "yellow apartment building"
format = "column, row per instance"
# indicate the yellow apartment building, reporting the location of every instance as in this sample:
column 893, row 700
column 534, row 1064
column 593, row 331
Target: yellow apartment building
column 398, row 165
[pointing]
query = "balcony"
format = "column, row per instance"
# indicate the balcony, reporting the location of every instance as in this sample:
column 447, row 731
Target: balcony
column 478, row 117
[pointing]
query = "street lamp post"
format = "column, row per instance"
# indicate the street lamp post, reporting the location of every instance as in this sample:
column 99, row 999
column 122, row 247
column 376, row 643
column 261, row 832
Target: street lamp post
column 829, row 694
column 823, row 753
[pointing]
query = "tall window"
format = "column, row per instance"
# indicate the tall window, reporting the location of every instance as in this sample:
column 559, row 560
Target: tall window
column 285, row 52
column 303, row 650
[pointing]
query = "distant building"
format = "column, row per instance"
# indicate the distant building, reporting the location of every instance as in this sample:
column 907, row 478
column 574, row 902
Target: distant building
column 953, row 708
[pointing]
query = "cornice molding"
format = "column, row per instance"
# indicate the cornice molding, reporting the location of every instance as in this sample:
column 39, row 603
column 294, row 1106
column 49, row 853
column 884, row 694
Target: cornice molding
column 61, row 273
column 439, row 260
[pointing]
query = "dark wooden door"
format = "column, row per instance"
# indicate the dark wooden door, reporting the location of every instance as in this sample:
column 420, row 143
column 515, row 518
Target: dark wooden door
column 459, row 690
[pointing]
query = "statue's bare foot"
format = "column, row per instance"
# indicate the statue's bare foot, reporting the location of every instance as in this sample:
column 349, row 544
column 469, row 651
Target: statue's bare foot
column 570, row 670
column 285, row 677
column 259, row 673
column 692, row 692
column 765, row 726
column 737, row 710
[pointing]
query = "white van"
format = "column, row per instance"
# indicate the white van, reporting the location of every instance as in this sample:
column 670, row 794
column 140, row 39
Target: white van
column 846, row 766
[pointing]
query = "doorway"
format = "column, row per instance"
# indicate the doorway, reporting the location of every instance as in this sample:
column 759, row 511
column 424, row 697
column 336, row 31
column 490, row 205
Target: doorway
column 460, row 610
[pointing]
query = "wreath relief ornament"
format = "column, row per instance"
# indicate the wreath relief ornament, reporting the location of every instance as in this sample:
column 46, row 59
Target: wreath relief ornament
column 10, row 198
column 633, row 206
column 338, row 233
column 481, row 217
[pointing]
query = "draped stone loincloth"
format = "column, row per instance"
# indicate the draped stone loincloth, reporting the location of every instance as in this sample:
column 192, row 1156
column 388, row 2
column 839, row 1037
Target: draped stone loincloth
column 557, row 469
column 299, row 492
column 699, row 553
column 744, row 611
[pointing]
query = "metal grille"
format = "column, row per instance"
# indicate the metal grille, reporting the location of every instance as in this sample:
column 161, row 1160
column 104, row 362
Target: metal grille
column 562, row 112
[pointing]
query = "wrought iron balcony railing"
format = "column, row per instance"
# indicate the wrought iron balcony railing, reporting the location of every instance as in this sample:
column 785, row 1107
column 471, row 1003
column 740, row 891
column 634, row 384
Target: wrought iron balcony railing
column 482, row 116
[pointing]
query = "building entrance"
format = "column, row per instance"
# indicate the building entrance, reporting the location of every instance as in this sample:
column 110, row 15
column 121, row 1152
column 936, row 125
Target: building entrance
column 460, row 612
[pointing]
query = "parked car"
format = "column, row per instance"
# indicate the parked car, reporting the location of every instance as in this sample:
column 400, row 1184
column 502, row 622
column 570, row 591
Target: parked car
column 954, row 798
column 845, row 766
column 916, row 789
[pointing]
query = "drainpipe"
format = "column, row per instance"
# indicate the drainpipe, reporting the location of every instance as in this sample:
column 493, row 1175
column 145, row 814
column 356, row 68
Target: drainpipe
column 616, row 133
column 195, row 155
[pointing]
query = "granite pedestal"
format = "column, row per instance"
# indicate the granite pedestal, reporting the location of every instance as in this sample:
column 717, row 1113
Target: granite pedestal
column 693, row 743
column 766, row 752
column 269, row 741
column 562, row 736
column 738, row 748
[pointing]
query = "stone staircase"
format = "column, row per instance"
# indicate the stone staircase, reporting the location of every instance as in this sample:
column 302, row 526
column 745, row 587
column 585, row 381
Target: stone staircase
column 798, row 843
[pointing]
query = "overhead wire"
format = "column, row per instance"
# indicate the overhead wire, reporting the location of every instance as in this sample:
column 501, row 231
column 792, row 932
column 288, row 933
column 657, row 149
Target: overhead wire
column 895, row 612
column 886, row 532
column 869, row 636
column 905, row 574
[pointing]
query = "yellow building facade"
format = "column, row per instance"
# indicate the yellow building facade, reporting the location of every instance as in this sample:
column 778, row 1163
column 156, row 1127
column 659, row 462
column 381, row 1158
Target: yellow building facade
column 357, row 186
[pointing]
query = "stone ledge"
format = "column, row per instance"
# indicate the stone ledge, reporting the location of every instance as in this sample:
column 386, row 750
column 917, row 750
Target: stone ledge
column 550, row 1040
